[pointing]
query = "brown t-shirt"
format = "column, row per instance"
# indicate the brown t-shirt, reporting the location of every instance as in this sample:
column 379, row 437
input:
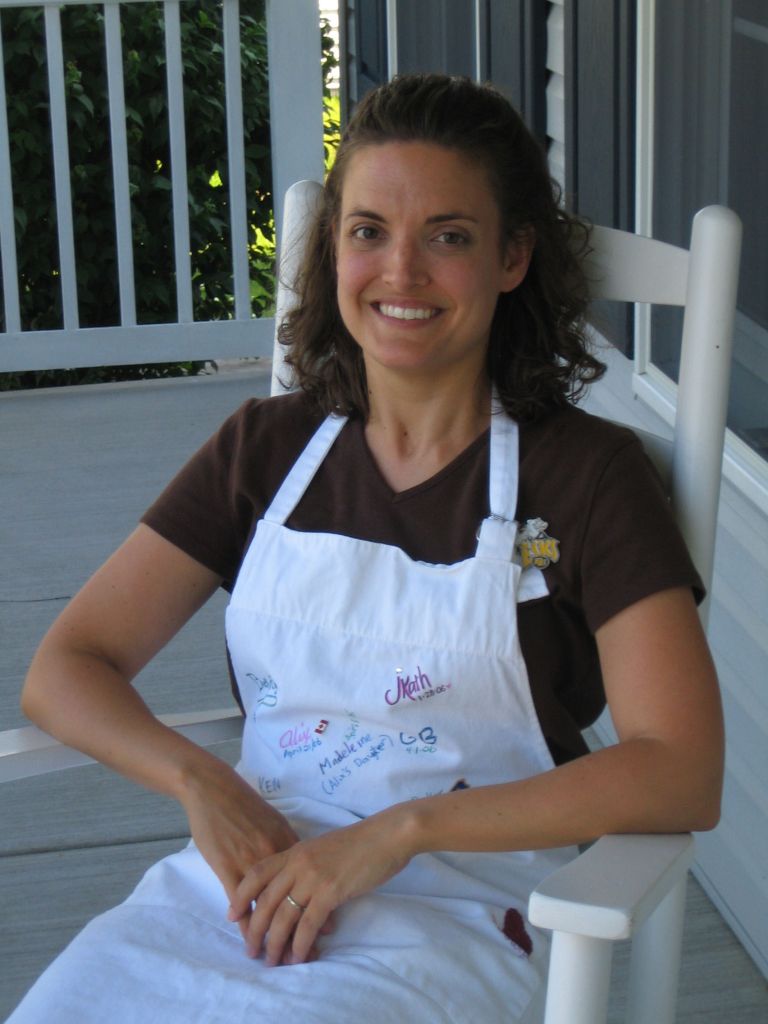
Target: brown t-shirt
column 588, row 480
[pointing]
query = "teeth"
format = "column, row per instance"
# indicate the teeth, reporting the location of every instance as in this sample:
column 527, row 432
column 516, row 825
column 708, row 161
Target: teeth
column 403, row 313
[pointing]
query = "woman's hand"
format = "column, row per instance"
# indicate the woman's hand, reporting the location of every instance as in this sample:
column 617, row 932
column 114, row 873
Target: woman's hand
column 235, row 829
column 232, row 826
column 319, row 875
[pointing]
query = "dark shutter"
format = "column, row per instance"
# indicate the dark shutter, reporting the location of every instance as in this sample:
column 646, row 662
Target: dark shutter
column 600, row 126
column 439, row 35
column 364, row 65
column 516, row 47
column 436, row 35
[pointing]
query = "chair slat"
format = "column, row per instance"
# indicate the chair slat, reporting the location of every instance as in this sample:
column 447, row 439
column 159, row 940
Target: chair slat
column 29, row 751
column 630, row 268
column 301, row 203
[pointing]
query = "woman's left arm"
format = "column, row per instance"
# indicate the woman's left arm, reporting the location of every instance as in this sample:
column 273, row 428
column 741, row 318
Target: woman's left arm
column 664, row 775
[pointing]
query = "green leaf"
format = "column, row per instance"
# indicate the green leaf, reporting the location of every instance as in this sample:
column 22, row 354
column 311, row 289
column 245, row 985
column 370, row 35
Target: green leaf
column 86, row 101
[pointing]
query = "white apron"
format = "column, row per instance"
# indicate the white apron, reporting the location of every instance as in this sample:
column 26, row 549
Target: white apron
column 368, row 679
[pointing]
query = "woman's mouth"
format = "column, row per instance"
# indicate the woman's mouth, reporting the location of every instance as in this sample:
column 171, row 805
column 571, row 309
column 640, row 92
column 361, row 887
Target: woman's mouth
column 406, row 312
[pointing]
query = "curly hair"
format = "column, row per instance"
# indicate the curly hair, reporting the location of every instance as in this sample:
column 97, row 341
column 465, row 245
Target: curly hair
column 537, row 356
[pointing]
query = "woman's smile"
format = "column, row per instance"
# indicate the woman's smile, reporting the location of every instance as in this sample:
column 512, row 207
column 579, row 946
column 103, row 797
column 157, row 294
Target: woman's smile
column 406, row 312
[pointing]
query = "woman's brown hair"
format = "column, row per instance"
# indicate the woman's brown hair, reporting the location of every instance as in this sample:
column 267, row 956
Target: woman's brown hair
column 537, row 357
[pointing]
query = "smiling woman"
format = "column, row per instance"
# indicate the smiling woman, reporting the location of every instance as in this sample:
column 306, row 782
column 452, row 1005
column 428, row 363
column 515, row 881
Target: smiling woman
column 439, row 570
column 449, row 129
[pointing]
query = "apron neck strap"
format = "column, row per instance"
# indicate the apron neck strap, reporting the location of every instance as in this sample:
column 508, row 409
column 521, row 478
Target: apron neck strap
column 498, row 533
column 292, row 489
column 504, row 462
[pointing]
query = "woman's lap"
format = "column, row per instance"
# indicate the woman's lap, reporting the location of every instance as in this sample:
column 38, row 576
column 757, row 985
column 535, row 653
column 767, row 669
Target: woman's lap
column 166, row 955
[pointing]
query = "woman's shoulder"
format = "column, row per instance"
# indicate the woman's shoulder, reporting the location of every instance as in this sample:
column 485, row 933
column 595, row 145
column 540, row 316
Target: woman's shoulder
column 570, row 431
column 209, row 507
column 602, row 498
column 281, row 418
column 585, row 462
column 257, row 445
column 262, row 433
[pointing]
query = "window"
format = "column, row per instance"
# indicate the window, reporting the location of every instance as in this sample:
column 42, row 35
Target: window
column 709, row 139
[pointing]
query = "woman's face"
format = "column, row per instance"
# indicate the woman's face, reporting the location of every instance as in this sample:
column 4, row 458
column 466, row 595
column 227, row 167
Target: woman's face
column 419, row 258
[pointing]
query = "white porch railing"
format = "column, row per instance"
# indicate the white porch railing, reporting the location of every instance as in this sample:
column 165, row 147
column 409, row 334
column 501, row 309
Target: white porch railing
column 295, row 86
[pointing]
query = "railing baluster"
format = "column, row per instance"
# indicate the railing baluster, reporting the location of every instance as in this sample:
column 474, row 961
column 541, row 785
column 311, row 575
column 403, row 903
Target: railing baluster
column 117, row 128
column 7, row 225
column 61, row 171
column 236, row 159
column 178, row 142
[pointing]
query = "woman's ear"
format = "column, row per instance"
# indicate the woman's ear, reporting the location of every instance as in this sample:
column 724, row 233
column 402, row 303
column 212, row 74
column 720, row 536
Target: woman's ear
column 517, row 259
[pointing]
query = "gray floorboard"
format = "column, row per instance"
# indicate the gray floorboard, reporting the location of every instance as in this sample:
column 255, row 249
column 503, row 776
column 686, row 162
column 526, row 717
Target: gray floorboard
column 719, row 983
column 48, row 897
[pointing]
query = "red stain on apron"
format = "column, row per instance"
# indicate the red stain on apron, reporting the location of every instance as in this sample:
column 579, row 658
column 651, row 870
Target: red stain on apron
column 514, row 929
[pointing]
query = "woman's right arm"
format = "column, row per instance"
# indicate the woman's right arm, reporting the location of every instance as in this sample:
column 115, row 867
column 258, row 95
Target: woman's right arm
column 79, row 690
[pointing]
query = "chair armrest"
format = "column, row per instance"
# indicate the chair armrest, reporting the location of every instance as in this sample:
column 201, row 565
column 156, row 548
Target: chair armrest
column 30, row 751
column 613, row 887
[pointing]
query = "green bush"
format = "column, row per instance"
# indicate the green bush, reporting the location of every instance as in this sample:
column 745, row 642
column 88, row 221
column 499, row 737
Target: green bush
column 149, row 170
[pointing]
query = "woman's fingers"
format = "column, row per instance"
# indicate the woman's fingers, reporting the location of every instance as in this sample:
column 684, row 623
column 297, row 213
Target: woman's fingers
column 280, row 939
column 313, row 922
column 283, row 929
column 318, row 875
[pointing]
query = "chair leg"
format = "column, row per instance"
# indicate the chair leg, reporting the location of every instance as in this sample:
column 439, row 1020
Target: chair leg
column 655, row 962
column 579, row 979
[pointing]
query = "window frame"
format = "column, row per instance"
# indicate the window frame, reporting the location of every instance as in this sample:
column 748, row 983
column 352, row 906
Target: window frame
column 742, row 466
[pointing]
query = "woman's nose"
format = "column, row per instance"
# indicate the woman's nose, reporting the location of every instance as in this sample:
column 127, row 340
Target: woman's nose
column 406, row 265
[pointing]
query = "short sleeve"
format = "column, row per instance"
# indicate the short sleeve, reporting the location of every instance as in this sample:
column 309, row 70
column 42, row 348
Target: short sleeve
column 632, row 546
column 201, row 510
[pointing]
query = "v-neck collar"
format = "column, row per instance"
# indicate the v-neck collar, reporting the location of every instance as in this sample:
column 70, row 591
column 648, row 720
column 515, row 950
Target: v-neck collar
column 396, row 497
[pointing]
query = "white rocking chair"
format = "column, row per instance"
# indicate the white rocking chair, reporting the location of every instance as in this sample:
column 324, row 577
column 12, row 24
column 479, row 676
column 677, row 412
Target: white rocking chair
column 623, row 886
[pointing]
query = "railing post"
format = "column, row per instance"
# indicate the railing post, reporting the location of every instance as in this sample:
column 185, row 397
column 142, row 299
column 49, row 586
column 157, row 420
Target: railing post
column 295, row 96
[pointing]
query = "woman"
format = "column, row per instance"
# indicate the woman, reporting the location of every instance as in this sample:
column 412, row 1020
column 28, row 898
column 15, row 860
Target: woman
column 438, row 568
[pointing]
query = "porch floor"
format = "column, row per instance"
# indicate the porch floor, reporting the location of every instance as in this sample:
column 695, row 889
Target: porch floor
column 78, row 466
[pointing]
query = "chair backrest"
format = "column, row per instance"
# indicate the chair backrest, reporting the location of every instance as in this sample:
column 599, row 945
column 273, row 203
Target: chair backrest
column 301, row 203
column 703, row 280
column 631, row 268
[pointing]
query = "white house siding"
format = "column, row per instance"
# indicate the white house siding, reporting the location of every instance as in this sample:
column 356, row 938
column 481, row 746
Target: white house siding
column 556, row 90
column 732, row 861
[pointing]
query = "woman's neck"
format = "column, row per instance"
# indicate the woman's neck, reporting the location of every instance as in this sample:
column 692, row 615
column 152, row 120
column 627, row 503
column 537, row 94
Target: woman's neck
column 416, row 429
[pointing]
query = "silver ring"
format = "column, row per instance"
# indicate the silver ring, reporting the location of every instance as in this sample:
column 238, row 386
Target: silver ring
column 293, row 903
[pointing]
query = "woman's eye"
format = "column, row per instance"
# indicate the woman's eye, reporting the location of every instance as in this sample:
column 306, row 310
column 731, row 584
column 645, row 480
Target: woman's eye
column 451, row 238
column 365, row 233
